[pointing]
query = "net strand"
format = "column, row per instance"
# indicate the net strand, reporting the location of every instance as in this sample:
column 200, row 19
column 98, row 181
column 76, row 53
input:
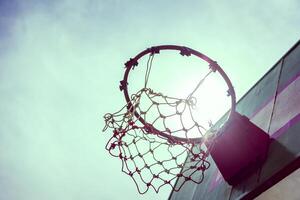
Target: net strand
column 131, row 139
column 152, row 153
column 148, row 69
column 199, row 84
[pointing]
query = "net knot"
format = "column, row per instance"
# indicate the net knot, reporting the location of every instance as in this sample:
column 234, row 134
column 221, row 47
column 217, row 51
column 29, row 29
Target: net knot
column 136, row 141
column 112, row 146
column 108, row 120
column 192, row 101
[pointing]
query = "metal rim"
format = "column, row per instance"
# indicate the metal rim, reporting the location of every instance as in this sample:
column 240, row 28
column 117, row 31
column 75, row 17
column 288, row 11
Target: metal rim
column 184, row 51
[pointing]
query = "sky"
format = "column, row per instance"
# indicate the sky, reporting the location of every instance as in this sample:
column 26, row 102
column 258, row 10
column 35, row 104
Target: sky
column 60, row 67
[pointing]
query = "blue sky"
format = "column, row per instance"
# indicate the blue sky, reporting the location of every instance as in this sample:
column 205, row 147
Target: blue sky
column 60, row 64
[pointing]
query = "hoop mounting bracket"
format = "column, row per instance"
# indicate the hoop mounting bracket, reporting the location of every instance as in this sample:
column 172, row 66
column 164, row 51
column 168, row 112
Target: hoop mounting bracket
column 123, row 85
column 131, row 62
column 185, row 51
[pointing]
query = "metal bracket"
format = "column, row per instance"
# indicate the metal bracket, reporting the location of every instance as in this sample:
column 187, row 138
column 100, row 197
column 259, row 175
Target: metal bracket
column 213, row 66
column 132, row 62
column 185, row 51
column 123, row 84
column 229, row 92
column 154, row 50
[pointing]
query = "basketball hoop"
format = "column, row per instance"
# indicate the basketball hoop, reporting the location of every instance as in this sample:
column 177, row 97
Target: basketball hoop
column 154, row 155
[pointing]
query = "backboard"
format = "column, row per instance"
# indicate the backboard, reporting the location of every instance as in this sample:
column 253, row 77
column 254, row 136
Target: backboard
column 273, row 105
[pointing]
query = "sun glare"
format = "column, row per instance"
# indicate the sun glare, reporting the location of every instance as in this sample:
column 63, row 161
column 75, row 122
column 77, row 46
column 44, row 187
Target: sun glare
column 211, row 97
